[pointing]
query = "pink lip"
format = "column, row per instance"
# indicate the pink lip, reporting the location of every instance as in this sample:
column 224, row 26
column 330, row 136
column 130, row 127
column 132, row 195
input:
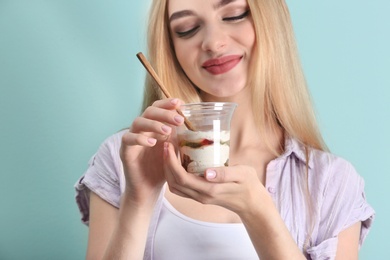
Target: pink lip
column 221, row 65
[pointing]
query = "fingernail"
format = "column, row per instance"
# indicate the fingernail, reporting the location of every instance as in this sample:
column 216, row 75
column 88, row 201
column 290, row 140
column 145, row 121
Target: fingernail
column 174, row 101
column 152, row 141
column 179, row 119
column 211, row 174
column 166, row 129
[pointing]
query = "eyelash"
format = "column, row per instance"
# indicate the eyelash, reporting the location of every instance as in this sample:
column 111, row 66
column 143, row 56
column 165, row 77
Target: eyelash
column 187, row 33
column 236, row 18
column 227, row 19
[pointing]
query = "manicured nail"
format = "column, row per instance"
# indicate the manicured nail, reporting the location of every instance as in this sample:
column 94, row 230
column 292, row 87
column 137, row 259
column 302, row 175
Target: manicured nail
column 166, row 129
column 211, row 174
column 152, row 141
column 179, row 119
column 174, row 101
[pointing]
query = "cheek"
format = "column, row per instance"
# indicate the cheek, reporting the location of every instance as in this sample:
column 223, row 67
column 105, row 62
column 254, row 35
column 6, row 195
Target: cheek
column 179, row 51
column 185, row 54
column 247, row 36
column 180, row 54
column 250, row 41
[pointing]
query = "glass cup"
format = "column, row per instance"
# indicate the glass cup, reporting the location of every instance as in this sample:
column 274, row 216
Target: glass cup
column 209, row 145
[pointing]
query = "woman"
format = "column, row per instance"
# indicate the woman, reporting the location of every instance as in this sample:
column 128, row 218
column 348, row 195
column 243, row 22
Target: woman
column 283, row 195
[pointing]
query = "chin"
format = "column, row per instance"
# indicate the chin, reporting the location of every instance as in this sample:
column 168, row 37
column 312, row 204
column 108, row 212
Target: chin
column 222, row 95
column 223, row 90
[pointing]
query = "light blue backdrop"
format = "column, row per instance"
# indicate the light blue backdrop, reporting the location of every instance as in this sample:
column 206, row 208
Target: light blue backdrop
column 69, row 78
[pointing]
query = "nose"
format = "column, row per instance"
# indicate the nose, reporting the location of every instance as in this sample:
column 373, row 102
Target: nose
column 215, row 39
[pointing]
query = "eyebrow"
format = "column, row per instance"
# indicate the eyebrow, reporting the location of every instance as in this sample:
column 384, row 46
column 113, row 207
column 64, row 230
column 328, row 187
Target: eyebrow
column 180, row 14
column 184, row 13
column 222, row 3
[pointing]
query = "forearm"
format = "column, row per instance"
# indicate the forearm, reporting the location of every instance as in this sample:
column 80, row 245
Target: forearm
column 129, row 237
column 269, row 234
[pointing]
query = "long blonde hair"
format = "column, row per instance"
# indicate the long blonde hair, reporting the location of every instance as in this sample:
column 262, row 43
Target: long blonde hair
column 280, row 94
column 162, row 57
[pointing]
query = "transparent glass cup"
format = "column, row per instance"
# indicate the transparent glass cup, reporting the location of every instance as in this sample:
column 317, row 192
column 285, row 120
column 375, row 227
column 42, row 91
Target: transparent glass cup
column 209, row 145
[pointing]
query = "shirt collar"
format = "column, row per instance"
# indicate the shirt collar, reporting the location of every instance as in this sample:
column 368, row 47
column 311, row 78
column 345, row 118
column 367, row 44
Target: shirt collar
column 292, row 147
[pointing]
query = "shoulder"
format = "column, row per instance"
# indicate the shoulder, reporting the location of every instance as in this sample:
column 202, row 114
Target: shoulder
column 113, row 142
column 104, row 174
column 336, row 190
column 327, row 172
column 339, row 194
column 332, row 171
column 107, row 159
column 322, row 165
column 107, row 156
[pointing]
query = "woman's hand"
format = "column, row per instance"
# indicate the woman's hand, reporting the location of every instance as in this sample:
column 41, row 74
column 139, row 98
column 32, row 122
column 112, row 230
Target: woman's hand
column 142, row 149
column 236, row 188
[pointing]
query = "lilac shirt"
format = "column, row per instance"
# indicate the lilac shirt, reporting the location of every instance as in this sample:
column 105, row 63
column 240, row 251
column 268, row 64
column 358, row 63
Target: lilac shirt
column 336, row 191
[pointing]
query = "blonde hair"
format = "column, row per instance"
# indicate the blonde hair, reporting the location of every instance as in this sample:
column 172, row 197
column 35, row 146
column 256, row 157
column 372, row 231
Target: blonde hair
column 162, row 57
column 280, row 95
column 279, row 87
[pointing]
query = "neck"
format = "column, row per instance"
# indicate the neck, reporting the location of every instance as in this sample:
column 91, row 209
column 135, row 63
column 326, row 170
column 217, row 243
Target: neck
column 245, row 131
column 247, row 146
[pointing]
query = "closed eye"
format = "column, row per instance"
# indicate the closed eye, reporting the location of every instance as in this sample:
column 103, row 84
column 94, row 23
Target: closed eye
column 187, row 33
column 236, row 18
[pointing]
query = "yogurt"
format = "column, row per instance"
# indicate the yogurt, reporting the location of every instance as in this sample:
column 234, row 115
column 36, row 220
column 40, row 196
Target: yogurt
column 201, row 150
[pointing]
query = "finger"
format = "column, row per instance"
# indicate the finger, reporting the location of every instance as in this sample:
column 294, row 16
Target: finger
column 165, row 111
column 171, row 117
column 141, row 124
column 169, row 103
column 180, row 182
column 130, row 138
column 226, row 174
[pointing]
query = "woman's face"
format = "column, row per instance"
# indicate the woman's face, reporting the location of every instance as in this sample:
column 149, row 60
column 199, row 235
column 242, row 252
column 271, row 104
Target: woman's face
column 213, row 41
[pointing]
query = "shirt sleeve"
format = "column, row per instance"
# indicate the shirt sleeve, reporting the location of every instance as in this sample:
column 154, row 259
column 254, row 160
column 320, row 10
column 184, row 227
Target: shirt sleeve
column 104, row 176
column 344, row 204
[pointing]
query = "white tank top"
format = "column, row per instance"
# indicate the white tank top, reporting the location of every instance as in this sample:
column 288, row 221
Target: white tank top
column 180, row 237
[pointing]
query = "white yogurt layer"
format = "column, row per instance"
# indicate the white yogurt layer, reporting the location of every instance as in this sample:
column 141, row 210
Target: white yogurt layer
column 205, row 157
column 192, row 136
column 213, row 155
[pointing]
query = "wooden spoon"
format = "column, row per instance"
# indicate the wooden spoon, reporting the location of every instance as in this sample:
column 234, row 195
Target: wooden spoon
column 154, row 75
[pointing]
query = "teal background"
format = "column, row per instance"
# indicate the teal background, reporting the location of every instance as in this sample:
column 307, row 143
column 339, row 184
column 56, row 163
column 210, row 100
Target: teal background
column 69, row 78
